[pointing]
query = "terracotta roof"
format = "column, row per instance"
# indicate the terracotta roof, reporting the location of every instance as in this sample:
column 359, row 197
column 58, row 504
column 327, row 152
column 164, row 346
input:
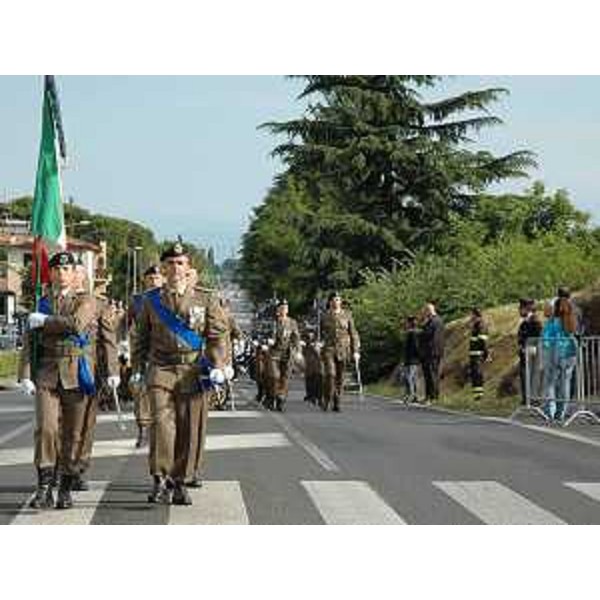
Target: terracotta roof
column 26, row 241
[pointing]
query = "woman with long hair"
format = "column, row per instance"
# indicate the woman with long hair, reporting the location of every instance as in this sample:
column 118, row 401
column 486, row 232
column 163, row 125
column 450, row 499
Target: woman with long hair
column 560, row 357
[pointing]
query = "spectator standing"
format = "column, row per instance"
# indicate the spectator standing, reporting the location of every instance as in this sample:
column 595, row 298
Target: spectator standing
column 431, row 349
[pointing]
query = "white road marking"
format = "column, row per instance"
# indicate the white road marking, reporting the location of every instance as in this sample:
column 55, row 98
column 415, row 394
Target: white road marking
column 312, row 449
column 16, row 432
column 215, row 503
column 82, row 513
column 126, row 446
column 350, row 503
column 246, row 441
column 588, row 488
column 213, row 414
column 496, row 504
column 16, row 410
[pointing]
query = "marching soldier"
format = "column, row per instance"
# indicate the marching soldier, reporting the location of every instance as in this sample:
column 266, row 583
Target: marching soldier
column 313, row 369
column 153, row 279
column 284, row 346
column 478, row 353
column 173, row 321
column 107, row 366
column 64, row 352
column 261, row 357
column 340, row 343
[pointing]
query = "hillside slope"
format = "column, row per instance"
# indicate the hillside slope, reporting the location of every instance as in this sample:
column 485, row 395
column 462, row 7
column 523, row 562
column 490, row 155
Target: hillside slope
column 502, row 374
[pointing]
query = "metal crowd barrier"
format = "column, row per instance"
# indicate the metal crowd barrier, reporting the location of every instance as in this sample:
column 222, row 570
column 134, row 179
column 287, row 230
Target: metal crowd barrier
column 548, row 364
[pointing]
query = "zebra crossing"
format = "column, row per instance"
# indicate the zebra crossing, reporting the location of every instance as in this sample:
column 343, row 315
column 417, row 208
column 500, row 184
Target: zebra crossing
column 336, row 502
column 319, row 487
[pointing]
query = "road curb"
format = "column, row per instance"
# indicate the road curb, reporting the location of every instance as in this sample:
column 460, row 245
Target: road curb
column 574, row 437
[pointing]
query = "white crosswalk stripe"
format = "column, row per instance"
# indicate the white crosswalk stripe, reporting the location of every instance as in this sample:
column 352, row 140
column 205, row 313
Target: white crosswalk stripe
column 82, row 512
column 216, row 503
column 350, row 503
column 213, row 414
column 496, row 504
column 337, row 502
column 126, row 446
column 590, row 489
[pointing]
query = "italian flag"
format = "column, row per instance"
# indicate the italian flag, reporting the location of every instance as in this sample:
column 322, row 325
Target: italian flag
column 47, row 220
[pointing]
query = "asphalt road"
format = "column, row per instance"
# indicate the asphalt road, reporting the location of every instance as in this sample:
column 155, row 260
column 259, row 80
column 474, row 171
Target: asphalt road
column 377, row 462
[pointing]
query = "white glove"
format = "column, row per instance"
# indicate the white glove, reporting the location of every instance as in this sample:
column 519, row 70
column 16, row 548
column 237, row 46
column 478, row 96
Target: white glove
column 36, row 320
column 114, row 381
column 228, row 372
column 27, row 387
column 356, row 356
column 271, row 342
column 136, row 378
column 264, row 347
column 318, row 345
column 217, row 377
column 298, row 357
column 302, row 343
column 255, row 343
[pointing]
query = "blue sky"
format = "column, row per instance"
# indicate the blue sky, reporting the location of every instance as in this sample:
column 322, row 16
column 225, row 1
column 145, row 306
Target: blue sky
column 183, row 155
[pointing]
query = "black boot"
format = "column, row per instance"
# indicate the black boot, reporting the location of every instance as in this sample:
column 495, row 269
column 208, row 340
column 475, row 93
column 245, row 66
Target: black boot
column 142, row 437
column 64, row 499
column 280, row 403
column 336, row 404
column 43, row 497
column 79, row 484
column 160, row 494
column 195, row 482
column 181, row 496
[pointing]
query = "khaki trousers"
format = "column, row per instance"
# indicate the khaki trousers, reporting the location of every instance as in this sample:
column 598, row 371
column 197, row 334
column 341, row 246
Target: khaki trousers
column 333, row 383
column 58, row 435
column 278, row 379
column 177, row 433
column 141, row 407
column 89, row 425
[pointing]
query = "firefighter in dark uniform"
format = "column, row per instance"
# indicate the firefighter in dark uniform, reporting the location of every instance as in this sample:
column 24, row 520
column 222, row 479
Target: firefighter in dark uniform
column 478, row 353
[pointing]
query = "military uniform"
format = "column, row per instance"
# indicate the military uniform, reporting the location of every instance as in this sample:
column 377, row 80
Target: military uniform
column 178, row 403
column 286, row 342
column 141, row 399
column 313, row 371
column 60, row 403
column 478, row 355
column 106, row 355
column 340, row 343
column 261, row 357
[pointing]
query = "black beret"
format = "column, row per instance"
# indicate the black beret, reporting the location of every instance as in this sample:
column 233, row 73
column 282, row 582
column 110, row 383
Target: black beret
column 526, row 302
column 174, row 251
column 61, row 259
column 563, row 292
column 152, row 270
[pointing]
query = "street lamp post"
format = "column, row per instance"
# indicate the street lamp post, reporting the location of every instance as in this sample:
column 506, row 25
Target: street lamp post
column 135, row 268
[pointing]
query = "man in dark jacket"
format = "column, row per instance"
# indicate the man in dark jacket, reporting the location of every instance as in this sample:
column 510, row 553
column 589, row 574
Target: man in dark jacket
column 530, row 330
column 432, row 351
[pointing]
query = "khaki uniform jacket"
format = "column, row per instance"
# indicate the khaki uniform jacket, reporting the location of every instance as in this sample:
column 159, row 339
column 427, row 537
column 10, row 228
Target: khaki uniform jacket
column 58, row 355
column 171, row 363
column 286, row 337
column 339, row 334
column 106, row 341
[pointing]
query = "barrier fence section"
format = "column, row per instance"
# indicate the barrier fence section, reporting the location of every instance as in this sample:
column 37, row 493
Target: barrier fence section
column 565, row 370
